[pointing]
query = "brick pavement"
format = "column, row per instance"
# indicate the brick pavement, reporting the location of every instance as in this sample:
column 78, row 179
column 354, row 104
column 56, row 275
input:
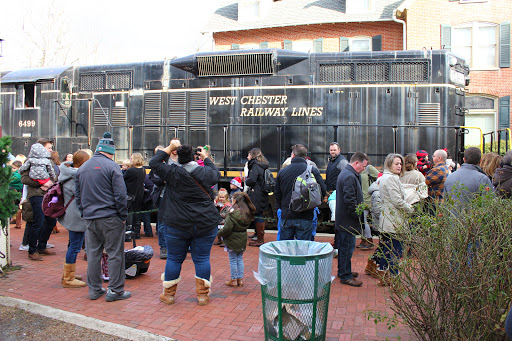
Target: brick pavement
column 232, row 314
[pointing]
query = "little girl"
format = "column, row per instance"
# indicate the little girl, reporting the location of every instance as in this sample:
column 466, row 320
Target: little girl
column 234, row 234
column 223, row 204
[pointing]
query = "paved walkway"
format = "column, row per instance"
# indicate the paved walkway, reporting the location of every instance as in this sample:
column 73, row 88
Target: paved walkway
column 232, row 314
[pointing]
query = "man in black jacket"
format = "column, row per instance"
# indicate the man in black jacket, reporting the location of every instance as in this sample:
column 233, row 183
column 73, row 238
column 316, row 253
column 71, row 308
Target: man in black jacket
column 294, row 225
column 349, row 195
column 101, row 197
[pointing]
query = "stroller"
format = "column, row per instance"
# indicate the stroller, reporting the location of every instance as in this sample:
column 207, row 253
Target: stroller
column 137, row 260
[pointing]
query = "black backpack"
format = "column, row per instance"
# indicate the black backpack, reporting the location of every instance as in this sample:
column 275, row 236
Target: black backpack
column 268, row 182
column 306, row 192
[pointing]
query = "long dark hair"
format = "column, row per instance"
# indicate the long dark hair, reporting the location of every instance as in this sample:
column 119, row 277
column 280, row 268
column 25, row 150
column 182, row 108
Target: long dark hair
column 243, row 203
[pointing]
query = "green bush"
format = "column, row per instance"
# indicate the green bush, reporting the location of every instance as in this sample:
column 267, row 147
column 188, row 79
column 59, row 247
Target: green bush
column 456, row 272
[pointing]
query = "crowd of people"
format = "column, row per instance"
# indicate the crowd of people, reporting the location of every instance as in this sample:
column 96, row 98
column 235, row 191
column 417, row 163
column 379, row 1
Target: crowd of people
column 105, row 200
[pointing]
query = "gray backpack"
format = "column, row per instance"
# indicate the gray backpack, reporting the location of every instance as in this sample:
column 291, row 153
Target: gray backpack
column 306, row 193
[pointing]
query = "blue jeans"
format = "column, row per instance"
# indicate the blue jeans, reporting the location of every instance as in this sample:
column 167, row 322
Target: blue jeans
column 161, row 234
column 200, row 243
column 391, row 252
column 146, row 220
column 300, row 229
column 346, row 246
column 41, row 228
column 75, row 245
column 236, row 264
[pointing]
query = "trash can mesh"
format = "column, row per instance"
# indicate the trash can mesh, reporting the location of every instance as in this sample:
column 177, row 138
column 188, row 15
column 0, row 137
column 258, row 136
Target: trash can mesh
column 296, row 282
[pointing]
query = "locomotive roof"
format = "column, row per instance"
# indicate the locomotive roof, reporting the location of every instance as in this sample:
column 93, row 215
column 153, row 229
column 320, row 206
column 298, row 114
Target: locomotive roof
column 298, row 12
column 33, row 75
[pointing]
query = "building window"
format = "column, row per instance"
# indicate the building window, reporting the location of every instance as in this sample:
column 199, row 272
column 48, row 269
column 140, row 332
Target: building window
column 358, row 6
column 26, row 95
column 477, row 43
column 303, row 46
column 360, row 44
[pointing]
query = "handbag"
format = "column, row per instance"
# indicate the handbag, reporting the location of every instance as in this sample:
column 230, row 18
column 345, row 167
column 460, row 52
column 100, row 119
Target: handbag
column 130, row 198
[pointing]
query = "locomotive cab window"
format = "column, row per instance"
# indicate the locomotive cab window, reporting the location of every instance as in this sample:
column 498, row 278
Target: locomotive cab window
column 26, row 95
column 65, row 92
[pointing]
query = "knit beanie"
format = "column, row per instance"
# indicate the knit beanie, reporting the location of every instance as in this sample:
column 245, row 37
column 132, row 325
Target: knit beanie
column 421, row 154
column 237, row 181
column 106, row 144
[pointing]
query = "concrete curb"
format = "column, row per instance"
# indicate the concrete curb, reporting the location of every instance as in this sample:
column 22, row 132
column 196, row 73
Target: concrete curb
column 82, row 321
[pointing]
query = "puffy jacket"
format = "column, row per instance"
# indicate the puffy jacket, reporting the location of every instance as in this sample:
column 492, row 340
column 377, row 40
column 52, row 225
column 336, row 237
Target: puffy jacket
column 349, row 195
column 503, row 181
column 100, row 189
column 334, row 168
column 234, row 232
column 185, row 204
column 394, row 205
column 255, row 181
column 72, row 219
column 376, row 202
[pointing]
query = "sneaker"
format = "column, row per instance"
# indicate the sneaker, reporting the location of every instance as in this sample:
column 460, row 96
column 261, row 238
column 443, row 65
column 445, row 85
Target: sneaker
column 23, row 247
column 35, row 256
column 97, row 295
column 113, row 296
column 163, row 253
column 49, row 246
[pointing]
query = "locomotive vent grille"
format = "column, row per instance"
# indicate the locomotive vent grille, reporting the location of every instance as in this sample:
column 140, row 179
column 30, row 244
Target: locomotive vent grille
column 403, row 71
column 100, row 119
column 198, row 109
column 429, row 113
column 177, row 109
column 95, row 81
column 119, row 116
column 235, row 65
column 331, row 73
column 152, row 106
column 119, row 80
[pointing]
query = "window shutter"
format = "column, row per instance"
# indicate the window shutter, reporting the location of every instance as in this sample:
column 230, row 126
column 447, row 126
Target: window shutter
column 377, row 43
column 446, row 37
column 235, row 46
column 344, row 44
column 264, row 45
column 287, row 44
column 504, row 112
column 505, row 44
column 317, row 45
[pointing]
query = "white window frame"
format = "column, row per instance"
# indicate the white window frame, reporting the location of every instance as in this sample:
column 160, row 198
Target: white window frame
column 354, row 6
column 246, row 8
column 303, row 45
column 20, row 91
column 351, row 40
column 475, row 45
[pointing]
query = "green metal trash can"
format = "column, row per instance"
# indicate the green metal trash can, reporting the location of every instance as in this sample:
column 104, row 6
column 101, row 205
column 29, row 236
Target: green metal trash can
column 295, row 277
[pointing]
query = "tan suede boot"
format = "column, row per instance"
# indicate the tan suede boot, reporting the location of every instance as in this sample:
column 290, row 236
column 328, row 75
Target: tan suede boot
column 169, row 290
column 260, row 233
column 371, row 268
column 384, row 278
column 231, row 283
column 203, row 288
column 69, row 280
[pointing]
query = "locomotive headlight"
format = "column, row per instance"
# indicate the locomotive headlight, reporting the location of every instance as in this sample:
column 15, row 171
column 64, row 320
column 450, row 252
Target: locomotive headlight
column 453, row 61
column 457, row 77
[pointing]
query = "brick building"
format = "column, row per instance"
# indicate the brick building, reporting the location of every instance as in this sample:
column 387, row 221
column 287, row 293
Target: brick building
column 478, row 30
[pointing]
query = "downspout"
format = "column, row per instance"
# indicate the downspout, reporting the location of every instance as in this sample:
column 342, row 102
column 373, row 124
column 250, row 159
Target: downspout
column 400, row 21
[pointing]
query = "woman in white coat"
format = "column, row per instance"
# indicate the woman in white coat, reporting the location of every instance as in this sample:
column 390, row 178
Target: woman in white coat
column 392, row 216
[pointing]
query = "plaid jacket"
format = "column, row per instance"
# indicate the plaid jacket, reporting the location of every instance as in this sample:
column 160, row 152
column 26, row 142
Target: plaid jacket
column 435, row 179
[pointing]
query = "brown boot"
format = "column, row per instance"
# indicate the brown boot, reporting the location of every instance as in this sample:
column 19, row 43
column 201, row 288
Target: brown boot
column 169, row 290
column 384, row 278
column 231, row 283
column 18, row 219
column 35, row 256
column 69, row 280
column 260, row 232
column 203, row 288
column 240, row 282
column 371, row 268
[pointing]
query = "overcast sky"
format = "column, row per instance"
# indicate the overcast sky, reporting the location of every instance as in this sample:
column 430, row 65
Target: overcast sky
column 100, row 31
